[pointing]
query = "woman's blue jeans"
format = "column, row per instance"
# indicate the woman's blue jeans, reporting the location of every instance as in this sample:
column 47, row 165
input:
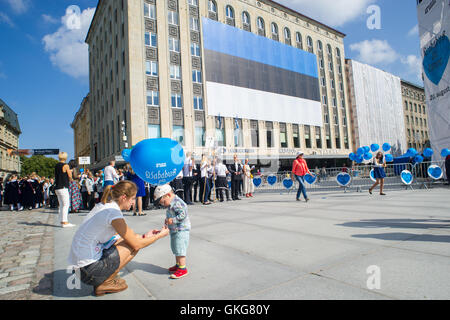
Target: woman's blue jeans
column 301, row 187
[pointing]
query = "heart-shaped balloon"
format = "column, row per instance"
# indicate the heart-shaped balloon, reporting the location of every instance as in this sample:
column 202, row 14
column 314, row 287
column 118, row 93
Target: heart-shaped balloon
column 435, row 172
column 368, row 156
column 418, row 159
column 406, row 177
column 436, row 59
column 374, row 147
column 386, row 147
column 389, row 157
column 372, row 176
column 310, row 178
column 157, row 161
column 445, row 152
column 360, row 151
column 257, row 181
column 428, row 152
column 272, row 180
column 343, row 179
column 288, row 183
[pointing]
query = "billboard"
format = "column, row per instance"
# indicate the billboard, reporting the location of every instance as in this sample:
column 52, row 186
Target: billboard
column 252, row 77
column 378, row 108
column 434, row 27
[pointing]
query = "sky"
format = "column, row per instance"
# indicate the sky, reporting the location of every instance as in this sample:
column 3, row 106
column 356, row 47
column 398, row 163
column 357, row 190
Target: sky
column 44, row 60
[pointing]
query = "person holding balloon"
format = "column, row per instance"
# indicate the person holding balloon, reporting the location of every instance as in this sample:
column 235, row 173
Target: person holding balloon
column 378, row 172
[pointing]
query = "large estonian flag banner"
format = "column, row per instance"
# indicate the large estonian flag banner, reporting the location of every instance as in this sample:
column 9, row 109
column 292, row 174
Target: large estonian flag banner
column 252, row 77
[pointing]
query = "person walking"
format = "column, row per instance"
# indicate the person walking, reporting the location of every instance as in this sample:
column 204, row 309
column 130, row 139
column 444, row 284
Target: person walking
column 204, row 182
column 299, row 170
column 188, row 178
column 104, row 244
column 75, row 195
column 63, row 176
column 236, row 176
column 248, row 183
column 379, row 164
column 221, row 181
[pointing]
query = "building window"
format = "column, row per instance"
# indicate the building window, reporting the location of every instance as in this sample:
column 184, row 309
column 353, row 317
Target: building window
column 195, row 50
column 283, row 136
column 198, row 103
column 308, row 136
column 200, row 140
column 212, row 7
column 321, row 65
column 151, row 68
column 260, row 24
column 319, row 45
column 193, row 3
column 150, row 40
column 296, row 136
column 153, row 98
column 287, row 34
column 178, row 134
column 154, row 131
column 254, row 132
column 245, row 18
column 149, row 11
column 269, row 135
column 196, row 76
column 229, row 12
column 174, row 45
column 176, row 100
column 338, row 52
column 309, row 42
column 193, row 22
column 329, row 51
column 175, row 72
column 172, row 17
column 274, row 28
column 220, row 132
column 238, row 133
column 318, row 138
column 322, row 82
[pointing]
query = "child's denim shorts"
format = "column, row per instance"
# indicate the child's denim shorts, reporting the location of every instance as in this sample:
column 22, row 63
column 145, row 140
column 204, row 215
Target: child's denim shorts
column 179, row 242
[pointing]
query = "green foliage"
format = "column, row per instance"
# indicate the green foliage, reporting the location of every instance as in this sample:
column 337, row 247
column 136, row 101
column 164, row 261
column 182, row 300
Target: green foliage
column 43, row 166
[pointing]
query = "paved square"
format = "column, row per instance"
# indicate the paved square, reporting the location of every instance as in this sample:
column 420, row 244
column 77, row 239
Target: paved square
column 272, row 247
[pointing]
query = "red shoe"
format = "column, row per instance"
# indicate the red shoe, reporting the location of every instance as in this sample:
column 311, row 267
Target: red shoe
column 247, row 196
column 180, row 273
column 173, row 269
column 251, row 195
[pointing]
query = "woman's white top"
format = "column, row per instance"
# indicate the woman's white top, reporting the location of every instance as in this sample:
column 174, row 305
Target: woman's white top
column 96, row 230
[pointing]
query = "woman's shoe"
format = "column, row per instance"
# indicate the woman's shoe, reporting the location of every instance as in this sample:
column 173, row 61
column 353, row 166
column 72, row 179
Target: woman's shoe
column 112, row 286
column 370, row 191
column 382, row 194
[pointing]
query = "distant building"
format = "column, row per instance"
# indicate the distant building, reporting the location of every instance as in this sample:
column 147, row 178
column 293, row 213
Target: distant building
column 375, row 107
column 81, row 126
column 9, row 139
column 416, row 120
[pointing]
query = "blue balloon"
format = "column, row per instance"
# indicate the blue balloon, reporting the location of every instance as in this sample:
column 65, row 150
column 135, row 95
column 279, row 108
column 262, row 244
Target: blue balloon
column 374, row 147
column 126, row 154
column 386, row 147
column 360, row 151
column 359, row 159
column 428, row 152
column 368, row 156
column 418, row 159
column 389, row 158
column 411, row 152
column 366, row 149
column 157, row 161
column 445, row 153
column 352, row 156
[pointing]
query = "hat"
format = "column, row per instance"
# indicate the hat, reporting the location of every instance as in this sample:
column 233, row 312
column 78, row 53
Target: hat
column 160, row 192
column 299, row 154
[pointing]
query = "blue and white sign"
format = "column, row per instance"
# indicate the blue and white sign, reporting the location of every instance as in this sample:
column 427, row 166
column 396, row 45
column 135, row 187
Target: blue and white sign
column 435, row 172
column 343, row 179
column 311, row 178
column 406, row 177
column 272, row 179
column 257, row 181
column 288, row 183
column 372, row 176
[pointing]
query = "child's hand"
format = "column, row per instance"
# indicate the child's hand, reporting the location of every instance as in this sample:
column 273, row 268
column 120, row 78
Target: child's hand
column 169, row 221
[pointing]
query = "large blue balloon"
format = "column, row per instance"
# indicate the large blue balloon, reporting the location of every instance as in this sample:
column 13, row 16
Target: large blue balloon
column 126, row 155
column 428, row 152
column 352, row 156
column 386, row 147
column 445, row 153
column 374, row 147
column 366, row 149
column 389, row 158
column 359, row 159
column 368, row 156
column 361, row 151
column 157, row 161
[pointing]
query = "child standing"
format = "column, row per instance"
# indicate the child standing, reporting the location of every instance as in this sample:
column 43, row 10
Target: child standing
column 179, row 225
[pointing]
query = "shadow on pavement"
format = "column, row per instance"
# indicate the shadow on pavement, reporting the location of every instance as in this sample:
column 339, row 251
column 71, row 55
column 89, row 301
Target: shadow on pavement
column 406, row 237
column 58, row 284
column 399, row 223
column 39, row 224
column 147, row 267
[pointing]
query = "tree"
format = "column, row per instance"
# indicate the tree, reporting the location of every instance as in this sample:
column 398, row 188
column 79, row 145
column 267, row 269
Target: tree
column 43, row 166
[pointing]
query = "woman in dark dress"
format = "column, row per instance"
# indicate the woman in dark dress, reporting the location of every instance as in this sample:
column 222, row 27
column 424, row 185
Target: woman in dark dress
column 12, row 196
column 378, row 172
column 27, row 193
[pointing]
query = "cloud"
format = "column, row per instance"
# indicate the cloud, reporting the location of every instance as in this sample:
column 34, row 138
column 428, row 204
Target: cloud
column 7, row 20
column 19, row 6
column 414, row 31
column 375, row 52
column 66, row 47
column 334, row 13
column 49, row 19
column 414, row 65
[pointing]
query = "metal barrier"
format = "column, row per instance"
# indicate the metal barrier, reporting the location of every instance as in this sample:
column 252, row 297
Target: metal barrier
column 360, row 178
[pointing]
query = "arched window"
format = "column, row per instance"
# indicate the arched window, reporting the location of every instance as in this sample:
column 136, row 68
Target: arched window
column 338, row 52
column 245, row 18
column 298, row 37
column 287, row 34
column 319, row 45
column 229, row 12
column 260, row 23
column 212, row 7
column 274, row 29
column 329, row 49
column 309, row 42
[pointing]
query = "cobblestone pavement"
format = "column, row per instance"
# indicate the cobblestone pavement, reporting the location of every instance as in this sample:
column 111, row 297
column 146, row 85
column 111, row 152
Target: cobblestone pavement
column 26, row 254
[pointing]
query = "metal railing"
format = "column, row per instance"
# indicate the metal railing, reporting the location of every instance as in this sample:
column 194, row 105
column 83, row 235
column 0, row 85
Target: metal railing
column 360, row 178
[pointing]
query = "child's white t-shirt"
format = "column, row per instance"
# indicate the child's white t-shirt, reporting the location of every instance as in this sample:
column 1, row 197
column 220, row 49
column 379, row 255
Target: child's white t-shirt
column 96, row 229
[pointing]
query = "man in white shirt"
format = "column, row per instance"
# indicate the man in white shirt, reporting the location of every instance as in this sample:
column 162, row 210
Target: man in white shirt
column 221, row 181
column 110, row 174
column 188, row 178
